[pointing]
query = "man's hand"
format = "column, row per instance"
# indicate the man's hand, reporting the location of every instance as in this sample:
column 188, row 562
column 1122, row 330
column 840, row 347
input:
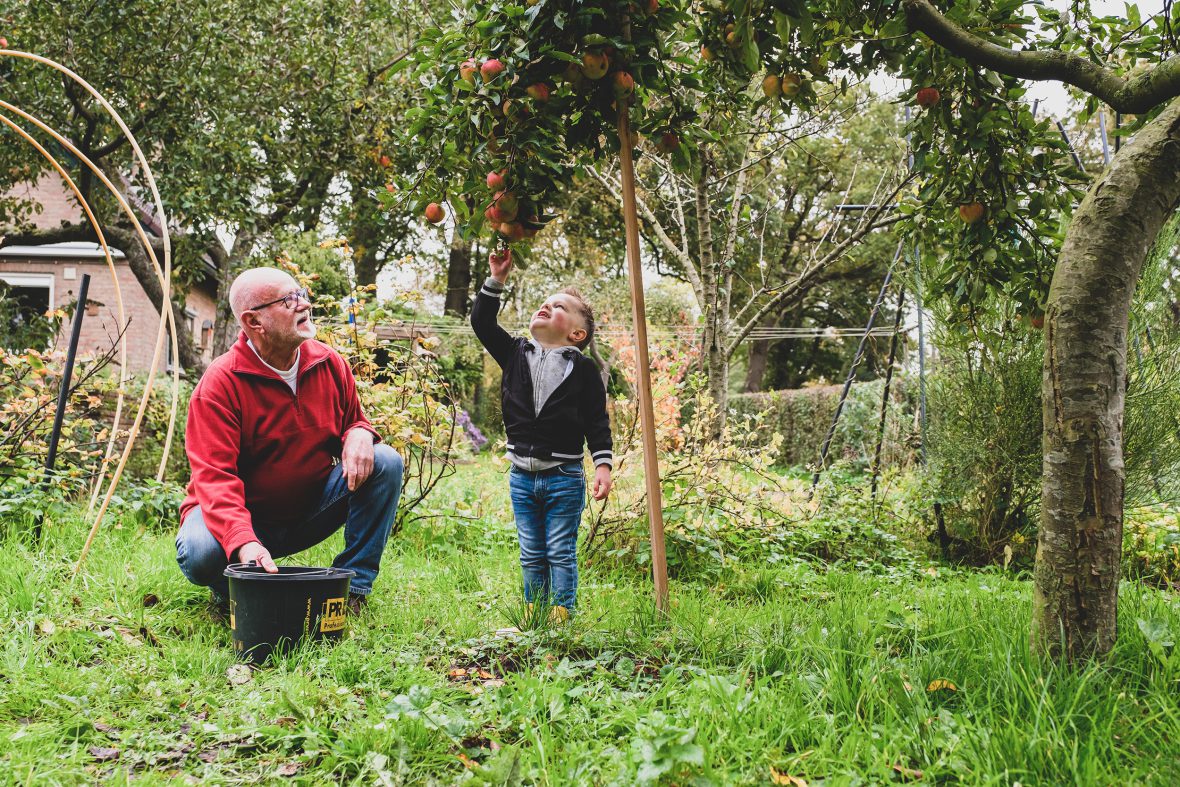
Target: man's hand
column 259, row 554
column 357, row 457
column 500, row 264
column 602, row 482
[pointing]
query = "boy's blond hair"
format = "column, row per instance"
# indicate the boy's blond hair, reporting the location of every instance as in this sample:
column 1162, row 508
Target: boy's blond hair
column 586, row 311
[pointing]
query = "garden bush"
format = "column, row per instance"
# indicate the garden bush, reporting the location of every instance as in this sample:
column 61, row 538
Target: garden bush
column 726, row 504
column 985, row 417
column 802, row 417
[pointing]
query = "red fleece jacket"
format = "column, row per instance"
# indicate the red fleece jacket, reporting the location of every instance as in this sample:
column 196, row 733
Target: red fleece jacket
column 260, row 453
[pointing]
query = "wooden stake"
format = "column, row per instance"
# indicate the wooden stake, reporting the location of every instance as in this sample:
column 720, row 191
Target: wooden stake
column 647, row 418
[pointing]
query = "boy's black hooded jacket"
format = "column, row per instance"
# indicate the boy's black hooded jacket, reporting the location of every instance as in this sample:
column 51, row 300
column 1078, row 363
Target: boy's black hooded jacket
column 574, row 413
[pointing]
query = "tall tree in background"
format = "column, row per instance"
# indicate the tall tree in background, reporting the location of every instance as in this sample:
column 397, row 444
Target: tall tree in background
column 754, row 237
column 270, row 122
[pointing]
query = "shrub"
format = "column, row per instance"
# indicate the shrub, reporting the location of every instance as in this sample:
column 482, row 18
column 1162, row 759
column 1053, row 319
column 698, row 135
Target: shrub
column 802, row 417
column 984, row 445
column 402, row 389
column 725, row 504
column 984, row 440
column 1151, row 546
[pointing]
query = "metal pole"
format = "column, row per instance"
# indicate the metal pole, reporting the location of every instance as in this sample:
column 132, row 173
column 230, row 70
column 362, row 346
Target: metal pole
column 63, row 393
column 1076, row 159
column 860, row 348
column 876, row 468
column 1105, row 141
column 651, row 469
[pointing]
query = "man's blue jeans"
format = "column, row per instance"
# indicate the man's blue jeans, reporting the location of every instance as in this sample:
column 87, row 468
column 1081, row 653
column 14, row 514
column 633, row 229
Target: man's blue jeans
column 367, row 515
column 548, row 509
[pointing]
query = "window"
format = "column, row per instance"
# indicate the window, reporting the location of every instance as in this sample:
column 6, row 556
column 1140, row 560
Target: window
column 24, row 300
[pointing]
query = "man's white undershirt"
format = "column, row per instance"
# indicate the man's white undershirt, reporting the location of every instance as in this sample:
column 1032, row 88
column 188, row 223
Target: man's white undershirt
column 290, row 376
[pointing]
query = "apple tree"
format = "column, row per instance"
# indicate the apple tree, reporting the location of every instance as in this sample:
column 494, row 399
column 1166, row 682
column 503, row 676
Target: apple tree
column 1026, row 232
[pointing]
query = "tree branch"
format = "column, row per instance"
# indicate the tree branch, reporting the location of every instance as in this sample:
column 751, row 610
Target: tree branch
column 686, row 261
column 807, row 276
column 1131, row 96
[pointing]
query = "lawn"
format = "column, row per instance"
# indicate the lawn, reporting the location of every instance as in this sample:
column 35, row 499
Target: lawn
column 759, row 675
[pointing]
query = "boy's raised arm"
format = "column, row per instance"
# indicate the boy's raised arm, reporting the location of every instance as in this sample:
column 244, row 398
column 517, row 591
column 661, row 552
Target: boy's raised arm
column 487, row 306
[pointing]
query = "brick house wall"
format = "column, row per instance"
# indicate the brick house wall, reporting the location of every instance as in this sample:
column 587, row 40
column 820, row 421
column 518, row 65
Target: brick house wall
column 60, row 267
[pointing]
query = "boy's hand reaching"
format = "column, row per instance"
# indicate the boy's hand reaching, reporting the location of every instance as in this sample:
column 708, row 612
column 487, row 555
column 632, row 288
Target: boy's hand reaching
column 602, row 482
column 500, row 263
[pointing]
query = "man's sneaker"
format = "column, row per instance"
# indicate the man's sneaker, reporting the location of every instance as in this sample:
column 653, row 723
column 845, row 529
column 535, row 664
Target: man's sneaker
column 356, row 603
column 218, row 608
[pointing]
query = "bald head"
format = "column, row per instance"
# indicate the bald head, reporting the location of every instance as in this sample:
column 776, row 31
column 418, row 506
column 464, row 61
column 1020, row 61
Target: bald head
column 256, row 286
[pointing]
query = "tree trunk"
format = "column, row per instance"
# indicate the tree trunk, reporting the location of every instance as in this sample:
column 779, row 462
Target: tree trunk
column 756, row 368
column 713, row 355
column 225, row 328
column 458, row 277
column 1079, row 546
column 364, row 236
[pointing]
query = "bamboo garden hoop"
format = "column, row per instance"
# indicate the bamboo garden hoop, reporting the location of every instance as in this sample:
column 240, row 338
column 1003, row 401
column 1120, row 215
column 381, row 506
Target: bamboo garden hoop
column 164, row 274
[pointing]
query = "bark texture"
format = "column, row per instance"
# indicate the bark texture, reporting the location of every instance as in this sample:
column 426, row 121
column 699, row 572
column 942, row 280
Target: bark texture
column 458, row 277
column 1080, row 539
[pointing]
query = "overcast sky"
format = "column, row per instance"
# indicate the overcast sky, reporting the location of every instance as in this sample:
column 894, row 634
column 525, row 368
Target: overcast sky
column 1052, row 95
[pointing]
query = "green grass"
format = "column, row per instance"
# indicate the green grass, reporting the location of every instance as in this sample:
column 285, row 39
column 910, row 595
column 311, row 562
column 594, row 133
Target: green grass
column 820, row 675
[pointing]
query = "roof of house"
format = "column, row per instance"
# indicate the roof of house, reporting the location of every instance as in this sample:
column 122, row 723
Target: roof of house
column 70, row 250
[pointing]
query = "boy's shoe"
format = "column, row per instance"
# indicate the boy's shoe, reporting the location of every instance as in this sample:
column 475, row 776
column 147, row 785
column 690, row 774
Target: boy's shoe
column 559, row 615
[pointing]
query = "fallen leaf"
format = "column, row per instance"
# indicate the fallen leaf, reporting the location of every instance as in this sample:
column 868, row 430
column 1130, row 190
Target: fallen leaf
column 208, row 755
column 469, row 763
column 778, row 777
column 150, row 599
column 108, row 729
column 940, row 684
column 46, row 627
column 907, row 686
column 150, row 637
column 288, row 769
column 129, row 637
column 285, row 721
column 174, row 754
column 495, row 683
column 908, row 773
column 483, row 673
column 457, row 673
column 238, row 674
column 103, row 754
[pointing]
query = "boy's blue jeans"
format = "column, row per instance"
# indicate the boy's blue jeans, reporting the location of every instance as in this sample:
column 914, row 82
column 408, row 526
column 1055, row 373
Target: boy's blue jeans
column 367, row 515
column 548, row 509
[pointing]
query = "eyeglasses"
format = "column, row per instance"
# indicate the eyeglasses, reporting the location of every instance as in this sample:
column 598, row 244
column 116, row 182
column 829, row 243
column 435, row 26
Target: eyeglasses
column 290, row 300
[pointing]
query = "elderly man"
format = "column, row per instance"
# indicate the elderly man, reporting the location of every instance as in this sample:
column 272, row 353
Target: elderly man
column 281, row 452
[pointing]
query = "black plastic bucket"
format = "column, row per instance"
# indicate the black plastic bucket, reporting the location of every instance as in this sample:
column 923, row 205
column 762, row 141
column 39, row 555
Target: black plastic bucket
column 270, row 612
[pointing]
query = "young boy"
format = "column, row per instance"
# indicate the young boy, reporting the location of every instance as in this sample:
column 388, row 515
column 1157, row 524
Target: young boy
column 553, row 399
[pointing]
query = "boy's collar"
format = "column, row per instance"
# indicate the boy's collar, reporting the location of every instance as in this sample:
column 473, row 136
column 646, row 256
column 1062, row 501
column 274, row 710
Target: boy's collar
column 533, row 344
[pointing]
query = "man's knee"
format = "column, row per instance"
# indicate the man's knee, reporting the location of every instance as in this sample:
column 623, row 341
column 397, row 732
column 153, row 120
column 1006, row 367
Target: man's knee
column 200, row 557
column 387, row 463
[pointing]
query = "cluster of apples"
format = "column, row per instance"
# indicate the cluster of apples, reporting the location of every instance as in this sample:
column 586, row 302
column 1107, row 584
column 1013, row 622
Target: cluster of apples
column 785, row 86
column 512, row 218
